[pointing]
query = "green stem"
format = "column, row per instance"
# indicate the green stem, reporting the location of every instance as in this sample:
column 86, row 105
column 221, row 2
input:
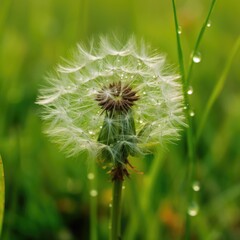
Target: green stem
column 116, row 210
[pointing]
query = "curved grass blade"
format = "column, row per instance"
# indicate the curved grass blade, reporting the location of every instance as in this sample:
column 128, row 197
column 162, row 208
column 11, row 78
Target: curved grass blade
column 218, row 87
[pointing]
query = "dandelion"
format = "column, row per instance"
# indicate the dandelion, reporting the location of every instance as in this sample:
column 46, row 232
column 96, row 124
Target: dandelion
column 113, row 100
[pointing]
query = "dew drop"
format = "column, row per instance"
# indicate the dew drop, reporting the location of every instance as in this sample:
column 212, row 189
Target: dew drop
column 196, row 186
column 179, row 30
column 140, row 121
column 197, row 57
column 91, row 176
column 192, row 113
column 110, row 205
column 91, row 132
column 185, row 107
column 93, row 193
column 123, row 187
column 193, row 209
column 144, row 93
column 190, row 90
column 209, row 24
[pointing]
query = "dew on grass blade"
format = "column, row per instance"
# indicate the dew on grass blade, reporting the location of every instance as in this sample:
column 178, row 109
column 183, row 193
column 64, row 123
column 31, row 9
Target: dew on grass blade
column 179, row 30
column 93, row 193
column 196, row 186
column 197, row 57
column 193, row 209
column 190, row 90
column 209, row 23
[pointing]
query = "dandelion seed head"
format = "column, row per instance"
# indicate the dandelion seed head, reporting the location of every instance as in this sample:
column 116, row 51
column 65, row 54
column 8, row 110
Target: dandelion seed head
column 109, row 76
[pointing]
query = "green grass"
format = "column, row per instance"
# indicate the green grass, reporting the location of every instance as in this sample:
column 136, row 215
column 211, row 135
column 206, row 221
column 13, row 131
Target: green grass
column 47, row 196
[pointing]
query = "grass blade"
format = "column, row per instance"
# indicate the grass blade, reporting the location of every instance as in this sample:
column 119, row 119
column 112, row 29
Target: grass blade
column 218, row 87
column 179, row 46
column 200, row 36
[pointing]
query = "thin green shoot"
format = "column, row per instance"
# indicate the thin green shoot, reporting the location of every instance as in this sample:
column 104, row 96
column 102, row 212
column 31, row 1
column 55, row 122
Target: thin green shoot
column 218, row 87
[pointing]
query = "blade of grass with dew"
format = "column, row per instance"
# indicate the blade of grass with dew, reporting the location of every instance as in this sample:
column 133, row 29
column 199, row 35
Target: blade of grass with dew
column 218, row 87
column 2, row 194
column 190, row 144
column 198, row 41
column 190, row 135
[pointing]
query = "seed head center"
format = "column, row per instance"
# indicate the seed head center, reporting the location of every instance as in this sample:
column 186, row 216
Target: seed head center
column 116, row 97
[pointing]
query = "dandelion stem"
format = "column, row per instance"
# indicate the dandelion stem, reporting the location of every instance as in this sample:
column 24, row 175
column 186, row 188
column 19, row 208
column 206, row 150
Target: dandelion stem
column 116, row 210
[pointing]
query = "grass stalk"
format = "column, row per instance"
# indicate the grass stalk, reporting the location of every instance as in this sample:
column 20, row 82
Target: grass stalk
column 186, row 83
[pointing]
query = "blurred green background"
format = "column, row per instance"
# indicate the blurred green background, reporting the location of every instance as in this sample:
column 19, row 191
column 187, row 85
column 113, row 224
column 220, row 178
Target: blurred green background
column 47, row 195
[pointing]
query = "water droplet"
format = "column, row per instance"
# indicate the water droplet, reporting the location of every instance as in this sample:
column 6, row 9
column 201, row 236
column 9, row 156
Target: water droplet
column 110, row 205
column 91, row 132
column 123, row 187
column 154, row 76
column 185, row 107
column 179, row 30
column 140, row 121
column 139, row 64
column 209, row 23
column 91, row 176
column 193, row 209
column 190, row 90
column 196, row 186
column 192, row 113
column 144, row 93
column 93, row 193
column 197, row 57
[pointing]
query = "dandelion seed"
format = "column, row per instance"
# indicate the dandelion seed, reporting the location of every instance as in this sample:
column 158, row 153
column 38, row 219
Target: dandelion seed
column 101, row 91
